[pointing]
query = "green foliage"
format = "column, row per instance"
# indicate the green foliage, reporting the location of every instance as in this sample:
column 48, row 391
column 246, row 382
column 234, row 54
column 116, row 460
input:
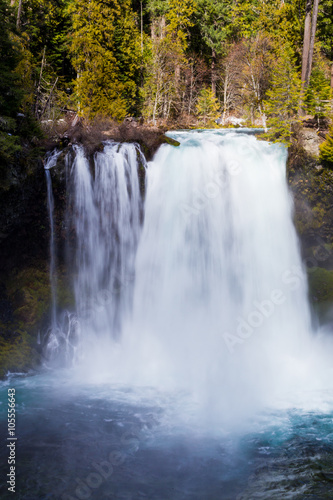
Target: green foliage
column 325, row 27
column 29, row 294
column 165, row 60
column 318, row 93
column 320, row 284
column 10, row 92
column 279, row 18
column 46, row 24
column 207, row 106
column 157, row 8
column 106, row 55
column 326, row 149
column 160, row 91
column 9, row 146
column 257, row 57
column 96, row 59
column 215, row 23
column 245, row 18
column 284, row 98
column 179, row 20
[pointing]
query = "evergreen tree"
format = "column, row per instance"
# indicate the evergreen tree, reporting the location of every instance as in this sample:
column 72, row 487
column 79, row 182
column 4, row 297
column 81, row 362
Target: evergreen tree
column 326, row 149
column 278, row 19
column 284, row 97
column 214, row 21
column 11, row 93
column 106, row 55
column 46, row 23
column 157, row 8
column 208, row 107
column 317, row 96
column 325, row 32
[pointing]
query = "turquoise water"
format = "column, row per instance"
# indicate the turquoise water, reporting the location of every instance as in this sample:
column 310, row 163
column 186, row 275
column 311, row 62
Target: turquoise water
column 69, row 434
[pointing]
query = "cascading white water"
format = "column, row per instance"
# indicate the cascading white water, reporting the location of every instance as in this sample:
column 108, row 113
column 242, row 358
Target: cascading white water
column 107, row 226
column 220, row 297
column 106, row 211
column 220, row 294
column 51, row 161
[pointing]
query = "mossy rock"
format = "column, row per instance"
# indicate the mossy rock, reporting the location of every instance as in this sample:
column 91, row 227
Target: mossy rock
column 168, row 140
column 29, row 293
column 312, row 187
column 320, row 284
column 19, row 355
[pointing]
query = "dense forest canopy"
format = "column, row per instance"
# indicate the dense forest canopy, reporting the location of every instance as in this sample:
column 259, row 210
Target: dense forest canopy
column 266, row 62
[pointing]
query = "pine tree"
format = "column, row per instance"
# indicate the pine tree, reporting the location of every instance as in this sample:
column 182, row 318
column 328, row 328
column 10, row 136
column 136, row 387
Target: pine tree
column 207, row 107
column 275, row 18
column 178, row 18
column 326, row 149
column 325, row 31
column 214, row 20
column 11, row 93
column 106, row 55
column 284, row 97
column 318, row 93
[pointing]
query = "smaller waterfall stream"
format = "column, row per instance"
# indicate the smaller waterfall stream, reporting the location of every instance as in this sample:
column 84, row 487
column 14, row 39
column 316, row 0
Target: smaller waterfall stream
column 51, row 161
column 104, row 216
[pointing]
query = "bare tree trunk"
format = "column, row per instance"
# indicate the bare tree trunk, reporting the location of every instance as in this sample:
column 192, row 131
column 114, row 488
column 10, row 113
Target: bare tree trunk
column 155, row 107
column 225, row 97
column 39, row 84
column 191, row 91
column 213, row 72
column 153, row 30
column 263, row 117
column 162, row 27
column 141, row 27
column 19, row 11
column 312, row 41
column 306, row 39
column 49, row 98
column 141, row 69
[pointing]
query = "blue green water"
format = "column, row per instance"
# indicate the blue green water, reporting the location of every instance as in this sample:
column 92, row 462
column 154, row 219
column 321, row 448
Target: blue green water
column 112, row 442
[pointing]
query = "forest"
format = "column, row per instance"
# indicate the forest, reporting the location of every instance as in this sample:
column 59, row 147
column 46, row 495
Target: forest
column 182, row 63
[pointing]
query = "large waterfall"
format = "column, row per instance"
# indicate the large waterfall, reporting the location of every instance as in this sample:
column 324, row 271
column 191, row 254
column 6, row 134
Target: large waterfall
column 206, row 292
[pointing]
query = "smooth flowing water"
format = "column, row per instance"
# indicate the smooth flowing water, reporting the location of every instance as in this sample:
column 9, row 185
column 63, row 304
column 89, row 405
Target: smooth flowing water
column 51, row 161
column 194, row 372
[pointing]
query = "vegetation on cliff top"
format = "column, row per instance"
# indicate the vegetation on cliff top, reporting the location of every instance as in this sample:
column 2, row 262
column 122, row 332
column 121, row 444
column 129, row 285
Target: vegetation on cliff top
column 157, row 58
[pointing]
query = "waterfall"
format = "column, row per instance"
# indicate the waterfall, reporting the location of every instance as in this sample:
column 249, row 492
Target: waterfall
column 51, row 161
column 105, row 213
column 210, row 295
column 220, row 302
